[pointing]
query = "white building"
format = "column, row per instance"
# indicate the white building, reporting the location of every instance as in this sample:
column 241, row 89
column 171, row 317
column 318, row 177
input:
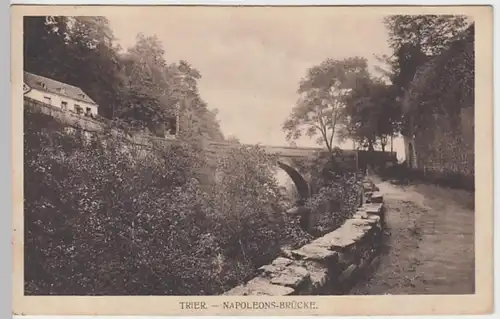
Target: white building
column 58, row 94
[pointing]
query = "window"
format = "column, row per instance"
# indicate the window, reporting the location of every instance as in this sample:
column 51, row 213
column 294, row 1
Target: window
column 87, row 112
column 64, row 105
column 47, row 100
column 78, row 109
column 43, row 85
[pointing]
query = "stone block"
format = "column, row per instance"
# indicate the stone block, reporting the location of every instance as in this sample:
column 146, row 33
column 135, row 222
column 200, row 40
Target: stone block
column 240, row 290
column 291, row 276
column 318, row 274
column 353, row 230
column 276, row 266
column 358, row 223
column 375, row 218
column 371, row 221
column 286, row 252
column 360, row 214
column 260, row 286
column 314, row 252
column 343, row 240
column 377, row 197
column 281, row 261
column 374, row 208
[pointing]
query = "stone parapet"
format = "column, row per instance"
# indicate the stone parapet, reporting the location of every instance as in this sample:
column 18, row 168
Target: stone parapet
column 330, row 264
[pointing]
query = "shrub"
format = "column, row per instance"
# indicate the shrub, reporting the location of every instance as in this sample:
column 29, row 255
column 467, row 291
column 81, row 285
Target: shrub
column 247, row 200
column 335, row 202
column 106, row 217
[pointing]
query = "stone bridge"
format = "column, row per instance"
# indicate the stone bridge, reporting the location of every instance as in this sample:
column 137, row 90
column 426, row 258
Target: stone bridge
column 287, row 157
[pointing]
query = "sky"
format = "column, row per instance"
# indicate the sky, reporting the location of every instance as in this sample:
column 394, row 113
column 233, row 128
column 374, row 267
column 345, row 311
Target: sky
column 252, row 59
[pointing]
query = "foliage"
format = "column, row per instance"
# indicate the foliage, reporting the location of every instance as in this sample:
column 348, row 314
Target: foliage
column 446, row 83
column 246, row 198
column 431, row 33
column 334, row 191
column 417, row 42
column 334, row 203
column 106, row 217
column 372, row 114
column 415, row 38
column 136, row 88
column 319, row 110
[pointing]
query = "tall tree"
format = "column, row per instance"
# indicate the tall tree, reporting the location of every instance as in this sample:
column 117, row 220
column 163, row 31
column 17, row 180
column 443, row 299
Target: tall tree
column 136, row 88
column 75, row 50
column 145, row 85
column 430, row 33
column 414, row 39
column 371, row 114
column 320, row 108
column 44, row 39
column 95, row 64
column 195, row 117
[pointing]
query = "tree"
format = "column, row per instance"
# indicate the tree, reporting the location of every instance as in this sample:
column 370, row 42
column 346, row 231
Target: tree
column 430, row 33
column 371, row 114
column 319, row 110
column 43, row 40
column 136, row 89
column 78, row 51
column 416, row 38
column 446, row 83
column 194, row 116
column 95, row 63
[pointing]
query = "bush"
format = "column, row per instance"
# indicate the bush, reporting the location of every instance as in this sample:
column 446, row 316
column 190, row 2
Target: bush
column 334, row 203
column 334, row 185
column 106, row 217
column 247, row 200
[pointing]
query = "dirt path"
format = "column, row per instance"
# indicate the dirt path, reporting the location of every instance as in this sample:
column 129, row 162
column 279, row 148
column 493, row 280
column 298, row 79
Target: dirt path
column 430, row 249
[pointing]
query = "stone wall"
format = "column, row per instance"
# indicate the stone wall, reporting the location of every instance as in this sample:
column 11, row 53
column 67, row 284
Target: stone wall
column 330, row 264
column 89, row 124
column 446, row 145
column 439, row 112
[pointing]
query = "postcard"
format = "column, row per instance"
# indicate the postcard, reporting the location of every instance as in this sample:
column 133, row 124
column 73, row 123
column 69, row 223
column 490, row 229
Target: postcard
column 252, row 160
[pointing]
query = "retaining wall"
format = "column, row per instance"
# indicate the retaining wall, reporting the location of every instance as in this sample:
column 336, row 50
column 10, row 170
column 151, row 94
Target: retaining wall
column 88, row 124
column 330, row 264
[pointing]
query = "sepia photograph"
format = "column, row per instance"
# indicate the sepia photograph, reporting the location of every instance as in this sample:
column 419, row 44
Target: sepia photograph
column 253, row 152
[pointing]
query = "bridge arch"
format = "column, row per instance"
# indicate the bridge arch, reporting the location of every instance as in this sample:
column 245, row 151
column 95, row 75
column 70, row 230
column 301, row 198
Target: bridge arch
column 300, row 183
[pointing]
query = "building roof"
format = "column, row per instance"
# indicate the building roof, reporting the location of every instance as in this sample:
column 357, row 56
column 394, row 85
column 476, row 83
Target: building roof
column 52, row 86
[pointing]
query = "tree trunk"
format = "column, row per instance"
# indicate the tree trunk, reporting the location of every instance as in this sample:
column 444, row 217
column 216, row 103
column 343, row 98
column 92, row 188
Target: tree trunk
column 370, row 146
